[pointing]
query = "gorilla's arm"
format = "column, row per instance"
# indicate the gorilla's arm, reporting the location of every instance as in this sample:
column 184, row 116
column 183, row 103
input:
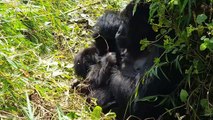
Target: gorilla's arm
column 100, row 73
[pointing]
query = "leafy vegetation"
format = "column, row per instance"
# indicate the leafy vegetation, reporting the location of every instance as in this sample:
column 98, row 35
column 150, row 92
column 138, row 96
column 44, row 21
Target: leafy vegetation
column 192, row 23
column 38, row 40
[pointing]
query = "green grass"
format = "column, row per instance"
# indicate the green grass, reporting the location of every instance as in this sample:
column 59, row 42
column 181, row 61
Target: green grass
column 38, row 40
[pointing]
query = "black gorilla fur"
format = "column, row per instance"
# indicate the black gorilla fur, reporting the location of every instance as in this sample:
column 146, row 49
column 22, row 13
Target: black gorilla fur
column 134, row 28
column 114, row 85
column 104, row 32
column 84, row 59
column 123, row 83
column 99, row 79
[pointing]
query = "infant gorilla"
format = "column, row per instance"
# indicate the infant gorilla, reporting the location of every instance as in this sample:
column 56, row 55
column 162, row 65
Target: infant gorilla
column 104, row 36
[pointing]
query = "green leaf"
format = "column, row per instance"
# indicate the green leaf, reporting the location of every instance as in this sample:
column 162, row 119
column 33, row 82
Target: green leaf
column 211, row 40
column 29, row 110
column 96, row 113
column 189, row 30
column 72, row 115
column 205, row 105
column 144, row 43
column 203, row 46
column 157, row 60
column 183, row 95
column 155, row 28
column 203, row 37
column 183, row 6
column 149, row 99
column 153, row 9
column 201, row 18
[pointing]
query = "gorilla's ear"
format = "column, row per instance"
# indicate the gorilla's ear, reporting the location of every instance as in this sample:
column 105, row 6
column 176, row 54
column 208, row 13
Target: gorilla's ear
column 101, row 45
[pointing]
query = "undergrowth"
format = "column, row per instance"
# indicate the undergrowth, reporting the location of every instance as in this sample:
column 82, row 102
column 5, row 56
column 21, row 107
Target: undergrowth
column 185, row 28
column 38, row 40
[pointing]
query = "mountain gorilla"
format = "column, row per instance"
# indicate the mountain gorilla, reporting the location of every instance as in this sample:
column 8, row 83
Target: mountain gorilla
column 125, row 80
column 122, row 81
column 104, row 36
column 121, row 66
column 92, row 63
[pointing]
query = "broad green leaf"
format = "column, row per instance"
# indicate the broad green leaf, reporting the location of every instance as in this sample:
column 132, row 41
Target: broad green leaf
column 96, row 113
column 183, row 95
column 203, row 46
column 203, row 37
column 201, row 18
